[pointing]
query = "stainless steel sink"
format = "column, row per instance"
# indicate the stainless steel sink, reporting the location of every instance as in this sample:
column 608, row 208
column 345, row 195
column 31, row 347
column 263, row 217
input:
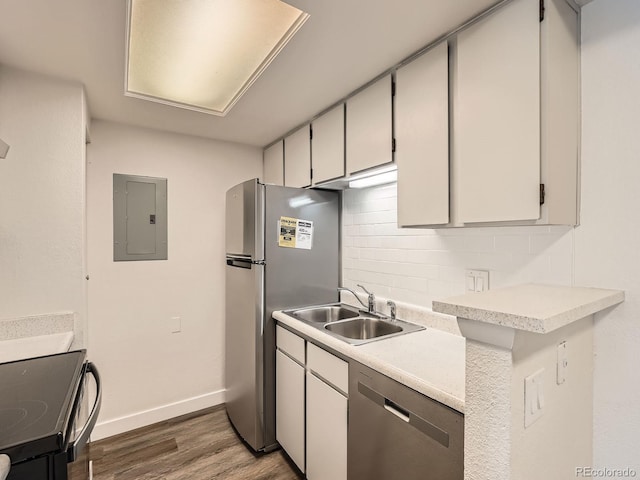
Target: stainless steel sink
column 363, row 328
column 351, row 325
column 325, row 313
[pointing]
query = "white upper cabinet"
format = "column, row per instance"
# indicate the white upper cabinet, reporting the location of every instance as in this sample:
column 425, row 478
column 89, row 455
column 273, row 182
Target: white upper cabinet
column 422, row 139
column 327, row 145
column 273, row 164
column 560, row 113
column 369, row 127
column 297, row 158
column 486, row 125
column 497, row 116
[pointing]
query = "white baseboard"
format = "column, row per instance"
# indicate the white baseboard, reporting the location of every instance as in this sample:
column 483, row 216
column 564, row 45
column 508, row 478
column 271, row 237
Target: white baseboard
column 115, row 426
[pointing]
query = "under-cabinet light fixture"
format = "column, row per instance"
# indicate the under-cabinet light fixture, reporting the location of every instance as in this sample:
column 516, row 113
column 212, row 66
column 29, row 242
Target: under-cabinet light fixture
column 203, row 55
column 378, row 177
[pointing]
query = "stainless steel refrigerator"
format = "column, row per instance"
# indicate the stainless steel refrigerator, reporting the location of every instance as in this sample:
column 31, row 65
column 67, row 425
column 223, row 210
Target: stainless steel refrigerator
column 282, row 252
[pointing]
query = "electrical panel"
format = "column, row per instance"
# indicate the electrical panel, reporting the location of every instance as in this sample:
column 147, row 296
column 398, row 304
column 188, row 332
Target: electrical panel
column 139, row 218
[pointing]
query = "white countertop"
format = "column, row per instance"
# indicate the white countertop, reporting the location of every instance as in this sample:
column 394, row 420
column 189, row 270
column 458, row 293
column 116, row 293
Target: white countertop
column 429, row 361
column 533, row 308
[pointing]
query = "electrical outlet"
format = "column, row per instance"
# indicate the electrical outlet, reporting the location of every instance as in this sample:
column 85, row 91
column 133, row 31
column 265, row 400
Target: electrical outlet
column 477, row 280
column 563, row 363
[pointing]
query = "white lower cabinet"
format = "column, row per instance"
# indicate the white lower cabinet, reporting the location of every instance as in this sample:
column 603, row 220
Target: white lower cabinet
column 311, row 406
column 326, row 431
column 290, row 407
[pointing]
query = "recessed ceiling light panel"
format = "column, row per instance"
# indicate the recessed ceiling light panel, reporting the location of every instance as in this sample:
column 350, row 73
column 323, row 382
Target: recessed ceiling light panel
column 204, row 54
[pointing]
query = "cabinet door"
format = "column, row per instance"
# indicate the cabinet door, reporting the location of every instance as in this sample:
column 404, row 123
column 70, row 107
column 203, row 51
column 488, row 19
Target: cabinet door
column 290, row 407
column 497, row 116
column 369, row 132
column 297, row 158
column 326, row 431
column 273, row 164
column 327, row 145
column 422, row 139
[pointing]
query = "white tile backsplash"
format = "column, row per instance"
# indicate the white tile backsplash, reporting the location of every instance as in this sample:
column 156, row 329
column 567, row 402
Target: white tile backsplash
column 416, row 266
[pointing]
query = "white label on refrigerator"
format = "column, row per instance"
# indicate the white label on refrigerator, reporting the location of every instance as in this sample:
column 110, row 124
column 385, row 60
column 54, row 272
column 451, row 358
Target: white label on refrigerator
column 295, row 233
column 304, row 234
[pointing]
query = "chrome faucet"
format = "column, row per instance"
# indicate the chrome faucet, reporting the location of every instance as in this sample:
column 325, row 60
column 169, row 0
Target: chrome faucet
column 371, row 297
column 392, row 309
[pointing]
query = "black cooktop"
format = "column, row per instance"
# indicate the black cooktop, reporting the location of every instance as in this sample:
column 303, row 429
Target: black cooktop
column 36, row 402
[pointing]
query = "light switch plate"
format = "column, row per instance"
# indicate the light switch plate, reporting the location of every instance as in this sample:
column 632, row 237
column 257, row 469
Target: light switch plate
column 477, row 280
column 175, row 325
column 533, row 397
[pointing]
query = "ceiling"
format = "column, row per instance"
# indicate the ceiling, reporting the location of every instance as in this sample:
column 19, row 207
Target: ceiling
column 344, row 44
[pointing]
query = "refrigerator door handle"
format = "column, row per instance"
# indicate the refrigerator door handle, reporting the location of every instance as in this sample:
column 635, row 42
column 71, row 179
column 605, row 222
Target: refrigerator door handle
column 243, row 262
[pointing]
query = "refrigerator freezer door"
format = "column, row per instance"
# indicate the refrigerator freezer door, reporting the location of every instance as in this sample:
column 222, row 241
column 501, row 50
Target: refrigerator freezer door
column 244, row 224
column 244, row 349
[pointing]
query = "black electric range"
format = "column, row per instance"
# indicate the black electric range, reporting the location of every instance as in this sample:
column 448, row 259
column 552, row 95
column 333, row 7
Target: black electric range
column 43, row 428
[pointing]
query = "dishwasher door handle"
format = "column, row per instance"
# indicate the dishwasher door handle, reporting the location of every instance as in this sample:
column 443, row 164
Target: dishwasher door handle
column 416, row 421
column 399, row 412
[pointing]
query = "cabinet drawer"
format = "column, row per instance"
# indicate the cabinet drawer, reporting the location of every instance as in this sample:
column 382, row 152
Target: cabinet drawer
column 290, row 343
column 329, row 367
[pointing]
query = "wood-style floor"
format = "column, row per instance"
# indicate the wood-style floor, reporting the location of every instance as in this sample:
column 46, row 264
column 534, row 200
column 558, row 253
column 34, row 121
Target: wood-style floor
column 198, row 446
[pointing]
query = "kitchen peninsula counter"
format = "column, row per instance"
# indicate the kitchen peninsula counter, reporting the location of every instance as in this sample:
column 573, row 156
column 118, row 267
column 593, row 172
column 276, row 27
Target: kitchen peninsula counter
column 529, row 377
column 532, row 308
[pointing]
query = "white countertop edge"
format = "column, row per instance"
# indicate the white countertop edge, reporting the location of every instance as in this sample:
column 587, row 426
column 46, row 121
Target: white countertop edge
column 504, row 312
column 359, row 354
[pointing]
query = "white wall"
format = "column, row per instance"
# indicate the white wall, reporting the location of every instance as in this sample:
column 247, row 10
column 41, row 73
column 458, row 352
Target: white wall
column 608, row 241
column 149, row 373
column 419, row 265
column 42, row 204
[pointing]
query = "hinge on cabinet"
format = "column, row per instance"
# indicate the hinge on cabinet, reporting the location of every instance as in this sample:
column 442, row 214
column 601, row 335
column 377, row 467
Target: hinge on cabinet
column 310, row 133
column 311, row 173
column 542, row 194
column 393, row 145
column 393, row 88
column 541, row 10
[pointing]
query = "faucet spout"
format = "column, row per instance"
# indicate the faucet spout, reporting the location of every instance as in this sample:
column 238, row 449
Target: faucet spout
column 354, row 294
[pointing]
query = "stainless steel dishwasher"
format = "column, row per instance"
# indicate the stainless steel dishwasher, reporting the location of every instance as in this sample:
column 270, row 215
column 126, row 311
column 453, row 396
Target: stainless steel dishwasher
column 395, row 432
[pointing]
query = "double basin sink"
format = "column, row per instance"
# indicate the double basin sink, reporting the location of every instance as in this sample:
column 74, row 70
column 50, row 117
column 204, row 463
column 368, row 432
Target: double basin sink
column 350, row 324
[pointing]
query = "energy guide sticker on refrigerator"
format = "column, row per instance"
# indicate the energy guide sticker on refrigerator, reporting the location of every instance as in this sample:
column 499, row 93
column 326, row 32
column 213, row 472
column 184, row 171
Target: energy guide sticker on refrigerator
column 295, row 233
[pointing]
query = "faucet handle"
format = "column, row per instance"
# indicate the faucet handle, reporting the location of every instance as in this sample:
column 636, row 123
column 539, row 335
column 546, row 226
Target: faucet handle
column 392, row 308
column 372, row 299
